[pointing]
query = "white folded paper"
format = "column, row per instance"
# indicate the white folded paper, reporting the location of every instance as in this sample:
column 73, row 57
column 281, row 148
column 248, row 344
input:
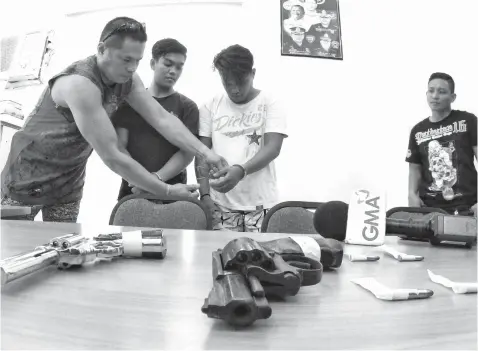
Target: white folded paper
column 309, row 246
column 458, row 288
column 400, row 256
column 362, row 258
column 383, row 292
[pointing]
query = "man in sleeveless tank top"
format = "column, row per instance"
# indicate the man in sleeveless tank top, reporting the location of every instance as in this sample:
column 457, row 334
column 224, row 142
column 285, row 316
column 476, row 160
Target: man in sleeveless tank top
column 47, row 160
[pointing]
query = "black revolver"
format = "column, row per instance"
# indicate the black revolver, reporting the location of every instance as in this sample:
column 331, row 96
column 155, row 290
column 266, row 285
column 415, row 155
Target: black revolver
column 246, row 273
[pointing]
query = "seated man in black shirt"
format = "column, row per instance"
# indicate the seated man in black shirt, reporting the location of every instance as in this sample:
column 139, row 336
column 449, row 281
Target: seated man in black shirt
column 441, row 152
column 141, row 141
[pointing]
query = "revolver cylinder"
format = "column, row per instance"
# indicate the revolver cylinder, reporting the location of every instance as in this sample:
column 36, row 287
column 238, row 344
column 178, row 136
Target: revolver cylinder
column 67, row 241
column 145, row 243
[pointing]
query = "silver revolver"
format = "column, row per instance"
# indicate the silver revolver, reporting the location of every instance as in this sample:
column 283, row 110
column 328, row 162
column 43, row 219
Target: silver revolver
column 75, row 250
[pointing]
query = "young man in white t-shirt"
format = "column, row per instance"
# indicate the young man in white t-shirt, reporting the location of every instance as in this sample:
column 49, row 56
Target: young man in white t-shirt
column 246, row 126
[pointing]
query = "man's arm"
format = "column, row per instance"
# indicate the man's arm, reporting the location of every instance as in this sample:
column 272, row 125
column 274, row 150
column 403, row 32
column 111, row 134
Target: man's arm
column 123, row 136
column 274, row 133
column 267, row 154
column 84, row 100
column 181, row 159
column 166, row 124
column 473, row 131
column 414, row 171
column 176, row 164
column 202, row 171
column 414, row 179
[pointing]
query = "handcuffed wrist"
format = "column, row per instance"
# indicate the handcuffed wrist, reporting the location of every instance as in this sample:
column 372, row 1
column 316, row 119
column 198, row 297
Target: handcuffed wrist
column 242, row 168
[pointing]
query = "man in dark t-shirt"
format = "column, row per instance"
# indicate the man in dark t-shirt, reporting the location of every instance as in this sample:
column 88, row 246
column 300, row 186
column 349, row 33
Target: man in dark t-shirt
column 441, row 152
column 141, row 141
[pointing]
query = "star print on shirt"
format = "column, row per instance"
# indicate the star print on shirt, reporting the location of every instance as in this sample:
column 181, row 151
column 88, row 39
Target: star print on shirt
column 254, row 138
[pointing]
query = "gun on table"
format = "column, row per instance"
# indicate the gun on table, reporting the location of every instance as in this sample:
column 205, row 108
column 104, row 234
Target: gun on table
column 246, row 273
column 75, row 250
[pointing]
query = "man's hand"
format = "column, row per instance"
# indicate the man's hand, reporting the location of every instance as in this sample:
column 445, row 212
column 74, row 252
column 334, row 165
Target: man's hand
column 415, row 201
column 215, row 163
column 474, row 209
column 226, row 179
column 184, row 191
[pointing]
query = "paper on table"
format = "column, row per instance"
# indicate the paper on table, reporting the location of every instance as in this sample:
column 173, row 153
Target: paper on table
column 385, row 293
column 458, row 288
column 400, row 256
column 308, row 245
column 362, row 258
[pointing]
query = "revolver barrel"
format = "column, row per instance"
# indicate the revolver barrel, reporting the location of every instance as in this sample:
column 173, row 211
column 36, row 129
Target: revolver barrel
column 21, row 265
column 230, row 298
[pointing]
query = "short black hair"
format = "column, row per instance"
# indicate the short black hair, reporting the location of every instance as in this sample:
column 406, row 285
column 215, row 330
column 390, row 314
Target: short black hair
column 299, row 6
column 120, row 28
column 168, row 46
column 236, row 60
column 444, row 76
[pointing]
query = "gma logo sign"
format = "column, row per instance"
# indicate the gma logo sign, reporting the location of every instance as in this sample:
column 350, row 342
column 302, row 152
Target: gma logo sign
column 370, row 231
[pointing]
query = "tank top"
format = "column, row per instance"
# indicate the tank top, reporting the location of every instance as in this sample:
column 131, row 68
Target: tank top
column 47, row 160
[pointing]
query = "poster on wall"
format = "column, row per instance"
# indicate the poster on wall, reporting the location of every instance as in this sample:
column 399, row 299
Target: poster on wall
column 32, row 56
column 311, row 28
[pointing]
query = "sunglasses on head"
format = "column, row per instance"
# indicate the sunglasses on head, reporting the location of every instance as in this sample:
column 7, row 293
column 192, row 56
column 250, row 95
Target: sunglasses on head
column 126, row 28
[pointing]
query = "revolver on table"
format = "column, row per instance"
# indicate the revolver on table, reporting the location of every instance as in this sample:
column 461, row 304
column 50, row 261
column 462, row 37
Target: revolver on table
column 75, row 250
column 246, row 273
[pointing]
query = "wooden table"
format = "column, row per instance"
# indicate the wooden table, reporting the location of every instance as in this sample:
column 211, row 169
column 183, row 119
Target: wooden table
column 147, row 304
column 7, row 211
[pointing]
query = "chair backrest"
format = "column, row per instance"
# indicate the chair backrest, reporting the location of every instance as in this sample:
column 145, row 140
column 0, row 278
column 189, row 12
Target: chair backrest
column 291, row 217
column 151, row 211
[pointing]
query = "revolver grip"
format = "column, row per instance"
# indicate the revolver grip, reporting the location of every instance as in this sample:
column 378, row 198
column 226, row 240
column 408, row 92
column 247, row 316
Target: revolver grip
column 230, row 298
column 331, row 250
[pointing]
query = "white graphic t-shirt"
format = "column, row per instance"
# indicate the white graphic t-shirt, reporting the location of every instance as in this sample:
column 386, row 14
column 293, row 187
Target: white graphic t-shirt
column 237, row 133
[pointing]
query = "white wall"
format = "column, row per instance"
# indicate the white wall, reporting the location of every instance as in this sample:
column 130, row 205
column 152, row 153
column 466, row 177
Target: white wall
column 349, row 120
